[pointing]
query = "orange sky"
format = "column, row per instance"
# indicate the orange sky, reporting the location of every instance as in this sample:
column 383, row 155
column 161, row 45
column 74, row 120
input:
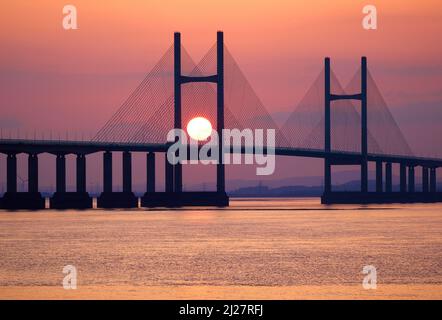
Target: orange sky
column 75, row 80
column 116, row 36
column 282, row 40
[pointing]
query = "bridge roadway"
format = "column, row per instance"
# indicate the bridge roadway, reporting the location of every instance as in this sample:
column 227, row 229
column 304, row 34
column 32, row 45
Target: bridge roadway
column 87, row 147
column 80, row 199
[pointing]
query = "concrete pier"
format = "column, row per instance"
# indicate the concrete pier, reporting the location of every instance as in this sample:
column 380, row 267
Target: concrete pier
column 32, row 173
column 168, row 175
column 81, row 173
column 70, row 200
column 150, row 179
column 411, row 178
column 379, row 182
column 107, row 172
column 388, row 177
column 13, row 200
column 403, row 178
column 150, row 172
column 433, row 180
column 118, row 200
column 425, row 180
column 11, row 175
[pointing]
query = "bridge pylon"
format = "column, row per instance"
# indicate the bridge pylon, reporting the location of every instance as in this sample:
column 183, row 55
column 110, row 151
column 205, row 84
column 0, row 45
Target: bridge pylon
column 330, row 160
column 174, row 195
column 218, row 79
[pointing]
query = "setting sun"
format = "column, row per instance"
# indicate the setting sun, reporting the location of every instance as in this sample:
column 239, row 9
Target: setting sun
column 199, row 128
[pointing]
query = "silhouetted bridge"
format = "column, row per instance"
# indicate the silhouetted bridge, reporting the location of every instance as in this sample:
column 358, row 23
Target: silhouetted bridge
column 325, row 125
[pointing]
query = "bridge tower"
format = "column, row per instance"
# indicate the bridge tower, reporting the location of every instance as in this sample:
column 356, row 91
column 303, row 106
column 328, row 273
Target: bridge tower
column 174, row 195
column 218, row 78
column 329, row 98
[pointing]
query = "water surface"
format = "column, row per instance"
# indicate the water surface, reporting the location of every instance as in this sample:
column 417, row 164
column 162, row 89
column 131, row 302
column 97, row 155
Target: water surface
column 254, row 249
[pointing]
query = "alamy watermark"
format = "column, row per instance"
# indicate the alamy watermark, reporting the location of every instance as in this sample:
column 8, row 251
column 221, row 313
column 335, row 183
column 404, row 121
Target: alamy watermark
column 69, row 21
column 370, row 280
column 70, row 280
column 370, row 20
column 245, row 146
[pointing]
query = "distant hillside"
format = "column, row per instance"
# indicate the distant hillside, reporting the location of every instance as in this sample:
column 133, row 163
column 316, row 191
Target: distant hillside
column 307, row 186
column 302, row 191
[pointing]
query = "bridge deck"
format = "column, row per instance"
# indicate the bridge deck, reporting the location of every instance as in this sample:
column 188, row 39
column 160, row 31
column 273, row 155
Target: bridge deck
column 87, row 147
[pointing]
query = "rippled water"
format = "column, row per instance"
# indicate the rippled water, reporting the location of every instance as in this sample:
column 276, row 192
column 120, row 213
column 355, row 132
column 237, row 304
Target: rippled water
column 255, row 243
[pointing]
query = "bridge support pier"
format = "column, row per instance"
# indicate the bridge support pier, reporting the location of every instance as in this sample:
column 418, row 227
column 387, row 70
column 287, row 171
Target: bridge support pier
column 150, row 164
column 150, row 180
column 168, row 167
column 60, row 167
column 32, row 173
column 13, row 200
column 81, row 173
column 107, row 171
column 403, row 178
column 425, row 181
column 327, row 177
column 379, row 182
column 433, row 180
column 411, row 176
column 79, row 199
column 364, row 177
column 11, row 175
column 119, row 200
column 127, row 172
column 388, row 177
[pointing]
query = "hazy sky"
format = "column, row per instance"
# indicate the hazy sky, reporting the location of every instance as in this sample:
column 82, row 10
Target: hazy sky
column 75, row 80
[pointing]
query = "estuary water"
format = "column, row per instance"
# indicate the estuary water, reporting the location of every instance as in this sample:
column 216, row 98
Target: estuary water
column 255, row 249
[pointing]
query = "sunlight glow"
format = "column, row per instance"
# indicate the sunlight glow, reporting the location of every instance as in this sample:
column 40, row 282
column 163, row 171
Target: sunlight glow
column 199, row 128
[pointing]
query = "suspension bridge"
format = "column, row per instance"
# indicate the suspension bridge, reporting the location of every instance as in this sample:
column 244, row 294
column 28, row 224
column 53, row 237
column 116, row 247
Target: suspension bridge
column 349, row 125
